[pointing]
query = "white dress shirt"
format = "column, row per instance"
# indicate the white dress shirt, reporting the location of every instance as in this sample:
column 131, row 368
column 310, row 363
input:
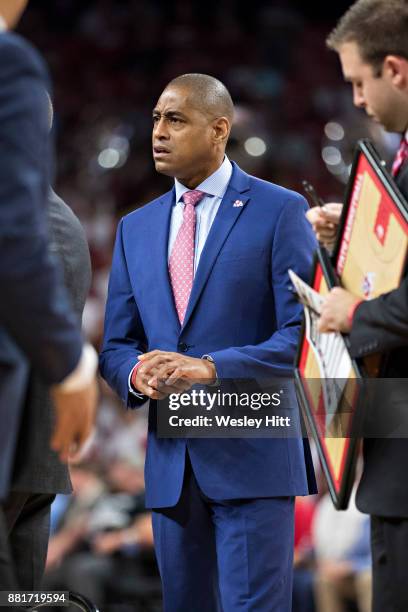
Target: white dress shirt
column 214, row 187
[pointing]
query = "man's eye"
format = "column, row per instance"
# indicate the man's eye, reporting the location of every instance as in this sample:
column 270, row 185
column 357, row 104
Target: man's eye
column 155, row 119
column 175, row 120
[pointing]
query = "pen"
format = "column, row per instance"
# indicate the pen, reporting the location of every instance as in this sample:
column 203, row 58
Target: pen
column 311, row 192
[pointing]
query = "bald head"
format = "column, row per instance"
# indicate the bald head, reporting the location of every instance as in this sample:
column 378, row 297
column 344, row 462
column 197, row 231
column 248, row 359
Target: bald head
column 191, row 126
column 206, row 93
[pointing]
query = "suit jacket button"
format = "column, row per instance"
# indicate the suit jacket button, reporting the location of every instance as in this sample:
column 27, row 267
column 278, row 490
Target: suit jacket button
column 183, row 347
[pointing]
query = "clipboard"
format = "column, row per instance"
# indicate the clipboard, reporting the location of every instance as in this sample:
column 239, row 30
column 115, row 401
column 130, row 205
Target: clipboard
column 371, row 249
column 329, row 388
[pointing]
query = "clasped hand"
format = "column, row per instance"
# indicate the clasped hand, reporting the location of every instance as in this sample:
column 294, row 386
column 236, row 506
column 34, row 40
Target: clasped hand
column 162, row 373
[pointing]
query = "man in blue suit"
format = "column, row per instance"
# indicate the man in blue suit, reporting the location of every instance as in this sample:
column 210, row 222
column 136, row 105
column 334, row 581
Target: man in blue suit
column 199, row 291
column 37, row 327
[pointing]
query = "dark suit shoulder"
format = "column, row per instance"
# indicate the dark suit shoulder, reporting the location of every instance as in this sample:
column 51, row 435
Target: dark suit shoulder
column 262, row 186
column 274, row 195
column 69, row 243
column 18, row 54
column 62, row 219
column 147, row 210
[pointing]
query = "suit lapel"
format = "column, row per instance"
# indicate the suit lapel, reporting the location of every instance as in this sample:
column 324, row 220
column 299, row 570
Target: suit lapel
column 230, row 209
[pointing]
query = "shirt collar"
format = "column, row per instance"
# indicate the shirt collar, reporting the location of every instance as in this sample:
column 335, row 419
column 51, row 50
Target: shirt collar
column 214, row 185
column 3, row 25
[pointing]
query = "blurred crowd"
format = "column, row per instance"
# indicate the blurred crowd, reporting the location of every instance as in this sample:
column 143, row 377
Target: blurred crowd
column 108, row 70
column 332, row 564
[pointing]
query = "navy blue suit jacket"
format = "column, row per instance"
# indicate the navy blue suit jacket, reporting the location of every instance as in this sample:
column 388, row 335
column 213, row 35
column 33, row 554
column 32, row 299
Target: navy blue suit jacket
column 241, row 311
column 36, row 324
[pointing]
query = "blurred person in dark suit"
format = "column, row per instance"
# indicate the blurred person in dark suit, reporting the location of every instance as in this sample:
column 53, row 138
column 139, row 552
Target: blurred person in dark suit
column 37, row 328
column 372, row 42
column 38, row 472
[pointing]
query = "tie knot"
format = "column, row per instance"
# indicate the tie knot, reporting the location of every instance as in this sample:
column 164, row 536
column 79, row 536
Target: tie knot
column 193, row 197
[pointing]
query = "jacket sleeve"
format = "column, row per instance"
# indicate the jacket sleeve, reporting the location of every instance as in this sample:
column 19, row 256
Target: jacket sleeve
column 124, row 336
column 381, row 324
column 34, row 309
column 293, row 247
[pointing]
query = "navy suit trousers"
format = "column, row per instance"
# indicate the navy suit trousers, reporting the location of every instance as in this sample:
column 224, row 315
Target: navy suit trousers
column 225, row 555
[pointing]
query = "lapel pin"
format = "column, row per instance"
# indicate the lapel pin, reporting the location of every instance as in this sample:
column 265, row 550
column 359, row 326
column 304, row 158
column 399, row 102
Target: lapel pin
column 238, row 203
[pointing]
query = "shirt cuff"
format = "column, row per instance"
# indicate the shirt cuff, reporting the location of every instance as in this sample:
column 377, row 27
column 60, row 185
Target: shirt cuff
column 131, row 388
column 83, row 374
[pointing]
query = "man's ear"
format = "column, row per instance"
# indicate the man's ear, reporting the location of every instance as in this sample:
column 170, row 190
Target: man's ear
column 395, row 68
column 222, row 128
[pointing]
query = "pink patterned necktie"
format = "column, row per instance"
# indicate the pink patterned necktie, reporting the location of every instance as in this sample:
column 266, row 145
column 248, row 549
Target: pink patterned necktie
column 401, row 157
column 181, row 262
